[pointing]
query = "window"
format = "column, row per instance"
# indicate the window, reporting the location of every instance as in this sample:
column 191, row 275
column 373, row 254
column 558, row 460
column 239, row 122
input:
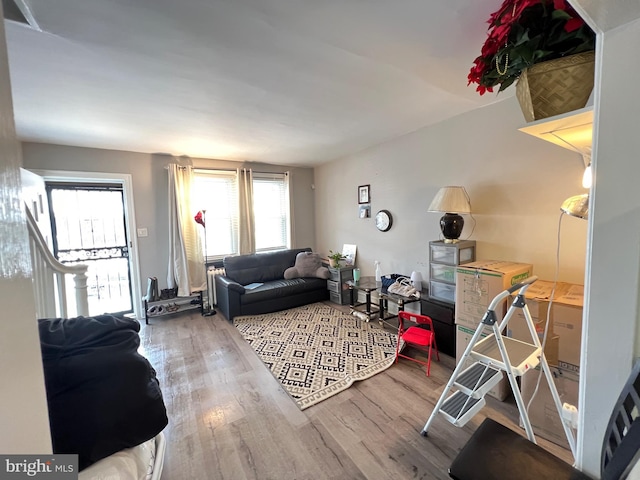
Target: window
column 216, row 192
column 271, row 211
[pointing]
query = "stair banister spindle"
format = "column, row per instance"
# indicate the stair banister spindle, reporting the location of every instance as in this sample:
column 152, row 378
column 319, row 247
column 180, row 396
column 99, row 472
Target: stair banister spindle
column 49, row 278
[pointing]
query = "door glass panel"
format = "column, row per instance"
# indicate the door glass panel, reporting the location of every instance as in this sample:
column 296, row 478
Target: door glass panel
column 89, row 228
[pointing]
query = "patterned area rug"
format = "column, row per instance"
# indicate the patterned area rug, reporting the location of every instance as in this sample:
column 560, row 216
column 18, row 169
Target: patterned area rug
column 316, row 351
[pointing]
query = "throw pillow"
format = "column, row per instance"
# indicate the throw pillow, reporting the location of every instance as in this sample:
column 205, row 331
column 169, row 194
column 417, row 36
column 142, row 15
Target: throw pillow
column 308, row 264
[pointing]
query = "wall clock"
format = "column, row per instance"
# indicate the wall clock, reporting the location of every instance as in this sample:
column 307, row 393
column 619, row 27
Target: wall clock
column 384, row 220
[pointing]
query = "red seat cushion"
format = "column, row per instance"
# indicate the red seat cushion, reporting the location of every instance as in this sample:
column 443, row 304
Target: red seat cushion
column 418, row 336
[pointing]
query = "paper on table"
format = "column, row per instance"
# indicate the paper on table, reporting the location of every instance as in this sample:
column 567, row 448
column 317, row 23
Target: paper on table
column 349, row 251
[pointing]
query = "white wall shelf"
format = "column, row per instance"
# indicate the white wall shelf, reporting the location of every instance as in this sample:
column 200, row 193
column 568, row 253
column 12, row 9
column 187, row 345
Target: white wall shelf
column 572, row 130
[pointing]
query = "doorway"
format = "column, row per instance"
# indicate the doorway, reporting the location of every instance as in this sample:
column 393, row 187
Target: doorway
column 88, row 226
column 125, row 182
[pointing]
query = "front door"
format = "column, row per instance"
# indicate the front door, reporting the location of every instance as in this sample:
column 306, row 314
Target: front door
column 88, row 223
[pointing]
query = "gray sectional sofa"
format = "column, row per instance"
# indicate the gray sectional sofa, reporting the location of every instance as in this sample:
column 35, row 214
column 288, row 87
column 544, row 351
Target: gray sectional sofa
column 276, row 293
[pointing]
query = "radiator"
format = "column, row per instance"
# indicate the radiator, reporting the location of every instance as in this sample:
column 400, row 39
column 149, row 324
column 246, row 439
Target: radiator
column 211, row 284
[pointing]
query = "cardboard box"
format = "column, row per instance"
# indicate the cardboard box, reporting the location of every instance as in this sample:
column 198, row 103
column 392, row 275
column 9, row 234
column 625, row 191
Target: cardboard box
column 543, row 414
column 479, row 282
column 564, row 337
column 567, row 324
column 537, row 297
column 463, row 337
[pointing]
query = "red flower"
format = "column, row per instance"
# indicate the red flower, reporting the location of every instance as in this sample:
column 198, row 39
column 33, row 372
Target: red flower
column 560, row 4
column 475, row 74
column 573, row 24
column 481, row 89
column 199, row 218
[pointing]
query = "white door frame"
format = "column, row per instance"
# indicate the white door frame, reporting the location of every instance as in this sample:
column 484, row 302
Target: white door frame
column 126, row 181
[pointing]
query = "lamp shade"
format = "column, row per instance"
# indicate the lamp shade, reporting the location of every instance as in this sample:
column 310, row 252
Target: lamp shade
column 576, row 206
column 451, row 200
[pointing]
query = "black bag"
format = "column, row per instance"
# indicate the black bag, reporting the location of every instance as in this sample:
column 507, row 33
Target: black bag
column 152, row 289
column 103, row 396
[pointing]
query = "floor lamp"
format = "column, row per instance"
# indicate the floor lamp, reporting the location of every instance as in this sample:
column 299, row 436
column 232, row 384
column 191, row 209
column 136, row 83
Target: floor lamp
column 575, row 206
column 200, row 218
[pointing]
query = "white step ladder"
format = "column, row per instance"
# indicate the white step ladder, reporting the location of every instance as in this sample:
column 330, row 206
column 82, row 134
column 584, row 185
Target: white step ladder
column 495, row 354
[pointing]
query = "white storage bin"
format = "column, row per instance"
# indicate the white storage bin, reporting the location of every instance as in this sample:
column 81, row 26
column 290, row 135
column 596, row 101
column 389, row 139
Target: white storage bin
column 443, row 273
column 442, row 291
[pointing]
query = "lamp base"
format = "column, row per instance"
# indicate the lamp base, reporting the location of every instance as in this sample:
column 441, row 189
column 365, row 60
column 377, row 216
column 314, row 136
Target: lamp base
column 451, row 225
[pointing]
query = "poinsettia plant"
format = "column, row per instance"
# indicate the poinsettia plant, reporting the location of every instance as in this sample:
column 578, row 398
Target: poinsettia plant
column 523, row 33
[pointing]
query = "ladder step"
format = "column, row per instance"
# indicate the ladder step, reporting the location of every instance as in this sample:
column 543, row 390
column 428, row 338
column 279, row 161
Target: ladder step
column 477, row 380
column 522, row 356
column 459, row 408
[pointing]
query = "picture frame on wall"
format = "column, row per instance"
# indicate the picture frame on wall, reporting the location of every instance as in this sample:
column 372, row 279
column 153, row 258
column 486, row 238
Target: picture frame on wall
column 363, row 194
column 364, row 211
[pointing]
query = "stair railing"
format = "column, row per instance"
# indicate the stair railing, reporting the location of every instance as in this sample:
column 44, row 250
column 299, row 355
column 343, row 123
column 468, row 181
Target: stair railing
column 49, row 282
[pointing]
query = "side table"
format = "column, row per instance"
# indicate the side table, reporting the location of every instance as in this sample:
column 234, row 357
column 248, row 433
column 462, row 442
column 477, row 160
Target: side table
column 384, row 298
column 366, row 285
column 336, row 284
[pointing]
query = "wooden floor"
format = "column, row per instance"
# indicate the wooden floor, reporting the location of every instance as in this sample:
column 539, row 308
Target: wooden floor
column 229, row 418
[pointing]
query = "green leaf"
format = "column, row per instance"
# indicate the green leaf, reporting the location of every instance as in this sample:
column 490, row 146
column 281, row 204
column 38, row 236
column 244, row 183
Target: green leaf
column 560, row 15
column 506, row 84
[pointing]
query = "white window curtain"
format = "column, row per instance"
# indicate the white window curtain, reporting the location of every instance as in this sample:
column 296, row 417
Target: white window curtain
column 247, row 221
column 186, row 263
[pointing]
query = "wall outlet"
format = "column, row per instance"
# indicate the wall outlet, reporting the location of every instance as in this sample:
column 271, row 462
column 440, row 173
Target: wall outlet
column 142, row 232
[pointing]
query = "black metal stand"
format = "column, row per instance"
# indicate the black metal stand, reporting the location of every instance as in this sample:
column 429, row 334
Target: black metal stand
column 210, row 310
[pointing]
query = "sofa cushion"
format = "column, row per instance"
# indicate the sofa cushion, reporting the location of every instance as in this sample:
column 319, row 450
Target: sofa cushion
column 282, row 288
column 260, row 267
column 308, row 264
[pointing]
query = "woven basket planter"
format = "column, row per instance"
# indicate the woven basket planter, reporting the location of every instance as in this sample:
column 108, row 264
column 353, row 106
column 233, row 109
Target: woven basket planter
column 556, row 86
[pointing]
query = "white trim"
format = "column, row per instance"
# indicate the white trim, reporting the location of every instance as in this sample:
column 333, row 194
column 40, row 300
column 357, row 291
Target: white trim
column 217, row 173
column 130, row 219
column 270, row 175
column 287, row 181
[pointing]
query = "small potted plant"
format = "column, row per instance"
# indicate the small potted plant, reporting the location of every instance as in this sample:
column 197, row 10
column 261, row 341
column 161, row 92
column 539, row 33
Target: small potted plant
column 335, row 258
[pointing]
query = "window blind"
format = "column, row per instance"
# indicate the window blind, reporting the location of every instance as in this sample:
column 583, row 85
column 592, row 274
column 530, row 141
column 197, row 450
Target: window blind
column 271, row 211
column 216, row 192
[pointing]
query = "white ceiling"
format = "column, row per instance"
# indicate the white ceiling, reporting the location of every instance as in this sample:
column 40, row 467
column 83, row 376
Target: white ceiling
column 296, row 82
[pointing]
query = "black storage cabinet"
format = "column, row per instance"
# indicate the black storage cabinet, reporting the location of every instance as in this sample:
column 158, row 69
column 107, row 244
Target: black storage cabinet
column 443, row 315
